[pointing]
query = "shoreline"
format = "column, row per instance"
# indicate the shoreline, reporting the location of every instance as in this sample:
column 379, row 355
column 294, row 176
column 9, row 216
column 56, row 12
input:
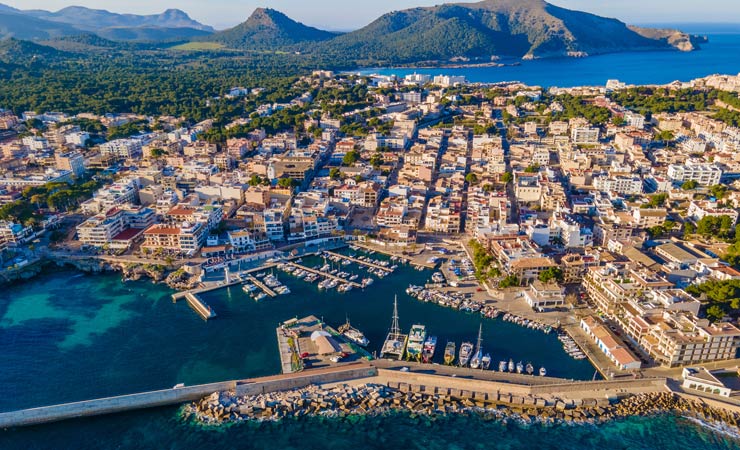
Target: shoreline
column 373, row 400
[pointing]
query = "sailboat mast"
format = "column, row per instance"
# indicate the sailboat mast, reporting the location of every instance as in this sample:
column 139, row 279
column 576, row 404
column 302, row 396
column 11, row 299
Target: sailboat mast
column 480, row 332
column 395, row 328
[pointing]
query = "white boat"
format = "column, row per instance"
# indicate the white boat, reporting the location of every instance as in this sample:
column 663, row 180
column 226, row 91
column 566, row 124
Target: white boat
column 485, row 362
column 519, row 367
column 530, row 368
column 466, row 351
column 475, row 362
column 511, row 365
column 543, row 371
column 353, row 334
column 502, row 366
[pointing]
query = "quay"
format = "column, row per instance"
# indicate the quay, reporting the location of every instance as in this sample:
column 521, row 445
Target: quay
column 195, row 302
column 326, row 275
column 361, row 262
column 406, row 259
column 262, row 286
column 552, row 391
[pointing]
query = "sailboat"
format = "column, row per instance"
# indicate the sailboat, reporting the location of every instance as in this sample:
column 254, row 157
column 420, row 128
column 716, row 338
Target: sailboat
column 478, row 354
column 395, row 342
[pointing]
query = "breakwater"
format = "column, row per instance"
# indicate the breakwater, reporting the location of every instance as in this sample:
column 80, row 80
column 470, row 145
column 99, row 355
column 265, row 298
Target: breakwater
column 376, row 399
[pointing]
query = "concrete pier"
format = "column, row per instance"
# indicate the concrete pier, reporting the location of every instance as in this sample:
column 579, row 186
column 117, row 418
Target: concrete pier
column 327, row 275
column 361, row 262
column 262, row 286
column 195, row 302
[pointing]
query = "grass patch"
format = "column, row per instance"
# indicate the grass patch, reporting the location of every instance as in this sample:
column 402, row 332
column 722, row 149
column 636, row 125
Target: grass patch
column 199, row 46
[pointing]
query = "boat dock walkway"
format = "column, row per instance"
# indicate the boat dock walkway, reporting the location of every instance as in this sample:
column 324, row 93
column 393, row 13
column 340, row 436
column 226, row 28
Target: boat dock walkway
column 327, row 275
column 195, row 302
column 262, row 286
column 361, row 262
column 286, row 354
column 406, row 259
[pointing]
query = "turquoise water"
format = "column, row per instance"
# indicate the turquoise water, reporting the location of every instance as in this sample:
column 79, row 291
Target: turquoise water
column 720, row 55
column 66, row 336
column 163, row 429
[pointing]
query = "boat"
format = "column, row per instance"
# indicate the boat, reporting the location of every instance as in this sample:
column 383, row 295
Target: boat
column 395, row 342
column 466, row 351
column 417, row 335
column 475, row 362
column 260, row 296
column 353, row 334
column 511, row 365
column 485, row 362
column 530, row 368
column 502, row 366
column 427, row 353
column 519, row 367
column 449, row 353
column 543, row 372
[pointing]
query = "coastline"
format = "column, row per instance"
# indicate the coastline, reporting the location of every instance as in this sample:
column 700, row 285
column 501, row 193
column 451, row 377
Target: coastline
column 371, row 400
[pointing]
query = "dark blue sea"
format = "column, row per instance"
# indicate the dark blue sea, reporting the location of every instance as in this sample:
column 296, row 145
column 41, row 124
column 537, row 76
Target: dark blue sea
column 720, row 56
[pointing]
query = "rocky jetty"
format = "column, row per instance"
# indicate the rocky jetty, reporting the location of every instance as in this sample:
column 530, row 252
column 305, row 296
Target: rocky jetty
column 181, row 280
column 341, row 401
column 138, row 271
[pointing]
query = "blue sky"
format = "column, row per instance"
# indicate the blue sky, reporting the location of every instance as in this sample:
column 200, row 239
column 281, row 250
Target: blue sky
column 350, row 14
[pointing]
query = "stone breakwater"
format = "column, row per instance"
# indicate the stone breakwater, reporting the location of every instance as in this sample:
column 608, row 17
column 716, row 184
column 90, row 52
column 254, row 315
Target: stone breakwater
column 370, row 399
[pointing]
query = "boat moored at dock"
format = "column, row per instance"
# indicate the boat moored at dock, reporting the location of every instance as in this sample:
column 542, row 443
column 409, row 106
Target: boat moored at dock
column 466, row 351
column 417, row 335
column 427, row 353
column 395, row 342
column 449, row 357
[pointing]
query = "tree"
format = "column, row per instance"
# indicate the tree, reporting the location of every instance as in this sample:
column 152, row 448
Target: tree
column 532, row 168
column 509, row 281
column 377, row 160
column 255, row 180
column 551, row 273
column 334, row 173
column 507, row 177
column 715, row 313
column 287, row 183
column 350, row 158
column 156, row 152
column 471, row 178
column 689, row 185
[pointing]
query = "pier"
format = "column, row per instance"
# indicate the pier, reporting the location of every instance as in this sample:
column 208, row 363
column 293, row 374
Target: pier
column 359, row 261
column 262, row 286
column 198, row 305
column 327, row 275
column 403, row 258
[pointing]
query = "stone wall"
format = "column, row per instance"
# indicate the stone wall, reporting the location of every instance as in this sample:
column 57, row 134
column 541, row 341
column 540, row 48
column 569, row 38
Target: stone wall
column 299, row 380
column 110, row 405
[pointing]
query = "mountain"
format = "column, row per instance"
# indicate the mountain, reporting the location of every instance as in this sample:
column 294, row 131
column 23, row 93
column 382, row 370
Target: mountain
column 94, row 19
column 172, row 24
column 14, row 25
column 514, row 28
column 269, row 29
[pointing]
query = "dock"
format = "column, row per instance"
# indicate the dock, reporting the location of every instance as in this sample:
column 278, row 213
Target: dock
column 195, row 302
column 262, row 286
column 406, row 259
column 327, row 275
column 361, row 262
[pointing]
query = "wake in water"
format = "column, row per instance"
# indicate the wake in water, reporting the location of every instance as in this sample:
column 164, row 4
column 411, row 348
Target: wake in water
column 716, row 427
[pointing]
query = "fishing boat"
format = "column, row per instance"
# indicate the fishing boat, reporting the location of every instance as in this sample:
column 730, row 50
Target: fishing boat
column 353, row 334
column 395, row 342
column 475, row 362
column 511, row 366
column 543, row 371
column 485, row 362
column 519, row 367
column 466, row 351
column 417, row 335
column 449, row 353
column 427, row 353
column 530, row 368
column 502, row 366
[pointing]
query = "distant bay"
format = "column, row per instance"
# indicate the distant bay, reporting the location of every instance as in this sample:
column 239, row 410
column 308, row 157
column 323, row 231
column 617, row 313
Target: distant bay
column 720, row 56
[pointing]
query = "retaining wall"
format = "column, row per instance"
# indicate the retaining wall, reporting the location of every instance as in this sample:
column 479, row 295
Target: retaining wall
column 301, row 379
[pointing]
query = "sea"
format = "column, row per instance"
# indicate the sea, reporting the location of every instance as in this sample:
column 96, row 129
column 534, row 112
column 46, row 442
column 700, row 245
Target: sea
column 721, row 55
column 68, row 336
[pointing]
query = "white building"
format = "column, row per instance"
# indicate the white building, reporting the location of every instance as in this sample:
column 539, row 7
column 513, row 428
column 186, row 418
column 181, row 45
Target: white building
column 585, row 135
column 703, row 174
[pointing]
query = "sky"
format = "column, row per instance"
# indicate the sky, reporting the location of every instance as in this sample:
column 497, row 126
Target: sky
column 351, row 14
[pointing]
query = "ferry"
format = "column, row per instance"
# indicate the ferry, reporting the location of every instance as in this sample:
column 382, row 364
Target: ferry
column 427, row 353
column 543, row 371
column 466, row 351
column 353, row 334
column 416, row 342
column 450, row 353
column 395, row 342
